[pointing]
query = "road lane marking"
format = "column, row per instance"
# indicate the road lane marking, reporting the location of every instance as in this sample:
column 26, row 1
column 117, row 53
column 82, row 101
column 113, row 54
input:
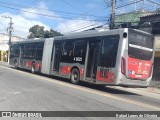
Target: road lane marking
column 16, row 93
column 101, row 93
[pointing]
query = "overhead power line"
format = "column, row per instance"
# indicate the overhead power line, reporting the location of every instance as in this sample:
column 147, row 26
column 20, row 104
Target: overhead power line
column 43, row 14
column 152, row 1
column 32, row 4
column 81, row 24
column 121, row 6
column 81, row 10
column 50, row 10
column 86, row 27
column 73, row 6
column 128, row 4
column 52, row 16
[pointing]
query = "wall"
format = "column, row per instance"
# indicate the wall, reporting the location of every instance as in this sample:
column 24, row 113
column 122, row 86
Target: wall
column 4, row 56
column 4, row 39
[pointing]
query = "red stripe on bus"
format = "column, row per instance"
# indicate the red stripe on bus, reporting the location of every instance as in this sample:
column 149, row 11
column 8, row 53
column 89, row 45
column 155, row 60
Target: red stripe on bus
column 28, row 64
column 65, row 70
column 81, row 72
column 38, row 66
column 139, row 69
column 108, row 77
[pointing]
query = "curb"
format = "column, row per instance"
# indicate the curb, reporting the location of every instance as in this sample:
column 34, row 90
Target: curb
column 152, row 89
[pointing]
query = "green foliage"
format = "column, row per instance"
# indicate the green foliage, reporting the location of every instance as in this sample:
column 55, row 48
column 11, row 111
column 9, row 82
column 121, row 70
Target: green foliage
column 38, row 32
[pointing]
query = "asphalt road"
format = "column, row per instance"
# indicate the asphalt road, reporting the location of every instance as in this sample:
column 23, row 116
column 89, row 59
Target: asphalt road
column 23, row 91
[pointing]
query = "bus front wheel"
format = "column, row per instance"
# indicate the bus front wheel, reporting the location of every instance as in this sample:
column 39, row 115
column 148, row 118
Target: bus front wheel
column 75, row 77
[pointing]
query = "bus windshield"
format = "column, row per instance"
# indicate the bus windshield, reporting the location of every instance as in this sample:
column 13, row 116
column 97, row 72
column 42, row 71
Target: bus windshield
column 140, row 45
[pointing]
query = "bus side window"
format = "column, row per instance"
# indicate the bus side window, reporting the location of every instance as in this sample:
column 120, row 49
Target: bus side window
column 68, row 48
column 11, row 52
column 26, row 50
column 80, row 48
column 39, row 51
column 22, row 51
column 15, row 51
column 33, row 51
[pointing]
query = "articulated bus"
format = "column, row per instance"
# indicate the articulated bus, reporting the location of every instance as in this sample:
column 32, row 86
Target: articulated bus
column 120, row 57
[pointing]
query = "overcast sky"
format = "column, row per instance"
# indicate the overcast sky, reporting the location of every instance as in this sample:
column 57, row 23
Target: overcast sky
column 65, row 16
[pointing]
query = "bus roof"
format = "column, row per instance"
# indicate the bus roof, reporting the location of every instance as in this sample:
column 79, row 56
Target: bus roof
column 91, row 33
column 30, row 40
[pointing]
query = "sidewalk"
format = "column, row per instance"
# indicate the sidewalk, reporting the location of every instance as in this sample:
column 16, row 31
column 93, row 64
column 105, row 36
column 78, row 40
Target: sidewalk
column 4, row 63
column 149, row 91
column 155, row 83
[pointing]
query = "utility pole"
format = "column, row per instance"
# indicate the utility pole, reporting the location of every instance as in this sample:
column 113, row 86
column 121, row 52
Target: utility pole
column 112, row 17
column 9, row 30
column 135, row 5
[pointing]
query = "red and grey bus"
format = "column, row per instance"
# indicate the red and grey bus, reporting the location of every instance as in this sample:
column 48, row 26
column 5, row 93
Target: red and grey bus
column 120, row 57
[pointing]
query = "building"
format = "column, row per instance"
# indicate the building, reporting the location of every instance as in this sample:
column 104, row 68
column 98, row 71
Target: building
column 151, row 23
column 130, row 19
column 4, row 39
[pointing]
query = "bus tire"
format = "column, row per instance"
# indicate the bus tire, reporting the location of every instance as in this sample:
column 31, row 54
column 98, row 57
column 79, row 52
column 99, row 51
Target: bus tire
column 33, row 68
column 75, row 76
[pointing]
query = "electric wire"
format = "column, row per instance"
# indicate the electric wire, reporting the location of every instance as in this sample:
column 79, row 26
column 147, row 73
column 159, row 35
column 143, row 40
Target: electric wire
column 86, row 27
column 73, row 6
column 41, row 14
column 50, row 10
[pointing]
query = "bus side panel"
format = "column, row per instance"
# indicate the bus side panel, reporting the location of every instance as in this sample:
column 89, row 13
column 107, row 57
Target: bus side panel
column 47, row 53
column 110, row 75
column 27, row 64
column 106, row 75
column 122, row 53
column 66, row 68
column 38, row 65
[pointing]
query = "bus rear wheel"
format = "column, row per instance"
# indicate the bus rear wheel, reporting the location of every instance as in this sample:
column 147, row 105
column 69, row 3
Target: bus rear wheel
column 33, row 68
column 75, row 77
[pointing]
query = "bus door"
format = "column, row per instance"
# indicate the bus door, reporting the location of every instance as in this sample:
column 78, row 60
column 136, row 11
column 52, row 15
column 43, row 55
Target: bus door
column 21, row 59
column 57, row 57
column 92, row 60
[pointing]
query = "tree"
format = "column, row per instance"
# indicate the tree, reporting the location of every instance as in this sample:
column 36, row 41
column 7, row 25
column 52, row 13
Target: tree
column 38, row 32
column 51, row 33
